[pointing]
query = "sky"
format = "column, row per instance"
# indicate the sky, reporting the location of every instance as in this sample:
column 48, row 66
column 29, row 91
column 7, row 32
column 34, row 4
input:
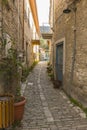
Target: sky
column 43, row 11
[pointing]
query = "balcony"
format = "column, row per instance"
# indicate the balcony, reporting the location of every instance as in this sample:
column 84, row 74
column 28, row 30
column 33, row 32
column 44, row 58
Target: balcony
column 46, row 32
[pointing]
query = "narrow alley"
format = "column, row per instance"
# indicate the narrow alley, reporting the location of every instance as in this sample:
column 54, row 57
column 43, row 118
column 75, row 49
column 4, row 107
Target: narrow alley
column 48, row 108
column 43, row 64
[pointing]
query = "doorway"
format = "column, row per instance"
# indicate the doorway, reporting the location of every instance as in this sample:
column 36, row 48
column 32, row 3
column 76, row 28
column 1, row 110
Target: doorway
column 59, row 62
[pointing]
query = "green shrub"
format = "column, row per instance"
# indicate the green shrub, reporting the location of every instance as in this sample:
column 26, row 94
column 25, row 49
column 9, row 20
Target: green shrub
column 9, row 71
column 26, row 71
column 49, row 68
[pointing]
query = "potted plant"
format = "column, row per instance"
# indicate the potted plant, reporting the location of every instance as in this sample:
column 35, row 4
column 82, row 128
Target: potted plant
column 10, row 76
column 19, row 106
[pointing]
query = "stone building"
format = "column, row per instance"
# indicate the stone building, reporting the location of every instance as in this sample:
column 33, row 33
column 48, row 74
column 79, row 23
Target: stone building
column 35, row 30
column 19, row 28
column 20, row 25
column 46, row 33
column 68, row 22
column 11, row 23
column 11, row 28
column 31, row 31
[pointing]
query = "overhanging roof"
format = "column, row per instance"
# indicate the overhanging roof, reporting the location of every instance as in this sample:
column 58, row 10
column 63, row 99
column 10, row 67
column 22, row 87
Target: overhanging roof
column 35, row 14
column 36, row 42
column 47, row 35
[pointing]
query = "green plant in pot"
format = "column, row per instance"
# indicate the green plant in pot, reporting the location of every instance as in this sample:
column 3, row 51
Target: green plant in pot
column 10, row 76
column 19, row 106
column 9, row 71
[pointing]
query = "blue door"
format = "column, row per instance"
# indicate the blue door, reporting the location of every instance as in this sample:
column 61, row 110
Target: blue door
column 59, row 62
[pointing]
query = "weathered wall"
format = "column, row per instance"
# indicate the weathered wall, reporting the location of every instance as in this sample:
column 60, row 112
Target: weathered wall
column 27, row 42
column 12, row 26
column 12, row 22
column 16, row 25
column 64, row 28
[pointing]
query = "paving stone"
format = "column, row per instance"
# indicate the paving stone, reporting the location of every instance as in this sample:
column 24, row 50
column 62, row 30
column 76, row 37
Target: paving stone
column 83, row 115
column 48, row 108
column 45, row 129
column 53, row 127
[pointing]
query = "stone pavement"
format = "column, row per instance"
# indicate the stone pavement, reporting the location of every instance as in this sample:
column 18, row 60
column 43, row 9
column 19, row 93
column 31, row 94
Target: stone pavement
column 48, row 108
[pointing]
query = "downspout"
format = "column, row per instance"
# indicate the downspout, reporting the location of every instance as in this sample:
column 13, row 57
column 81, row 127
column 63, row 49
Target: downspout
column 2, row 40
column 72, row 7
column 74, row 47
column 73, row 52
column 2, row 18
column 27, row 54
column 18, row 25
column 53, row 38
column 23, row 26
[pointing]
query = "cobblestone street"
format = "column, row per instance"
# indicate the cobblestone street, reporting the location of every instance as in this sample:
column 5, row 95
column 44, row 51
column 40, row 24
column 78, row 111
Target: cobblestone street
column 48, row 108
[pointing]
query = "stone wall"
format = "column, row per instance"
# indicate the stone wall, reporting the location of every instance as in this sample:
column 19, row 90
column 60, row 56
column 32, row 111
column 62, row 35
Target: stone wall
column 12, row 22
column 27, row 42
column 75, row 62
column 16, row 25
column 11, row 28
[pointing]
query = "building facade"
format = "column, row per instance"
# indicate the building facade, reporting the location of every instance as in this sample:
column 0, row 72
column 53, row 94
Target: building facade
column 11, row 28
column 11, row 23
column 31, row 32
column 19, row 27
column 69, row 27
column 46, row 33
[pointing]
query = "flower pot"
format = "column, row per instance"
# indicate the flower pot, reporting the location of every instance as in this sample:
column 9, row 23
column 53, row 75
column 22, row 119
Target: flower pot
column 19, row 110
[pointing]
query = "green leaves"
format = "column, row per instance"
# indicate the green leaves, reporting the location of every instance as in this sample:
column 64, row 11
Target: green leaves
column 4, row 1
column 9, row 67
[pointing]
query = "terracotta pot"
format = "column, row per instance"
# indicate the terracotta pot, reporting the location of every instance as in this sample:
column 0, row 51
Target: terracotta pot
column 19, row 110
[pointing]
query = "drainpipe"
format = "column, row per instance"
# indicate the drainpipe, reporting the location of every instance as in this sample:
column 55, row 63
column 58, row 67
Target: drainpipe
column 74, row 47
column 23, row 26
column 18, row 24
column 68, row 10
column 27, row 54
column 1, row 21
column 53, row 39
